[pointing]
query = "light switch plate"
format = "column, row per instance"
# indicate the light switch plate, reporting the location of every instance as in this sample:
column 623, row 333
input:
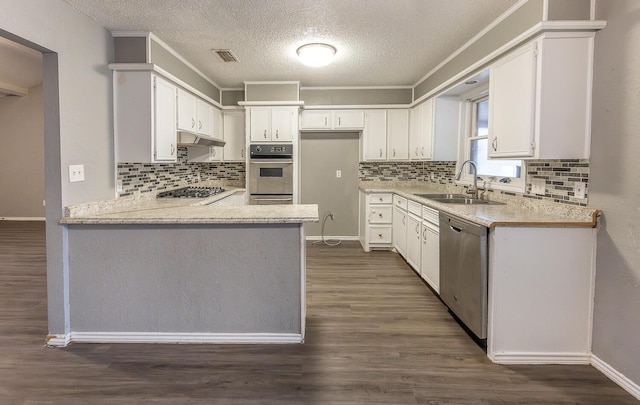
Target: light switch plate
column 538, row 186
column 76, row 173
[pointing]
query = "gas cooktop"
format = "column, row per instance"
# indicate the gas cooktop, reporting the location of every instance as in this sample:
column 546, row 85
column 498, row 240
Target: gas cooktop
column 191, row 192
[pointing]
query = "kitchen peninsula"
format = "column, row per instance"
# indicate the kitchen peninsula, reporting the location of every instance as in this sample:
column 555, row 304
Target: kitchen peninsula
column 179, row 271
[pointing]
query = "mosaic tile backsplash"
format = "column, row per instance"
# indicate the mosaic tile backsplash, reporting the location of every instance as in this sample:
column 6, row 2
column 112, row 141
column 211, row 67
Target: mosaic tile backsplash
column 146, row 177
column 559, row 175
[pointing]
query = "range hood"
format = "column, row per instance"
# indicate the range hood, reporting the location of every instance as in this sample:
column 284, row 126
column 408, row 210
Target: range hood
column 190, row 140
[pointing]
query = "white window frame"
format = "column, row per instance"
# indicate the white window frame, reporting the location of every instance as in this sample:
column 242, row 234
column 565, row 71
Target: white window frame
column 467, row 131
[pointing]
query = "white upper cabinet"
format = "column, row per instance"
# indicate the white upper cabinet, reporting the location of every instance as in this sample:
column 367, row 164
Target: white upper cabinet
column 398, row 134
column 374, row 137
column 433, row 130
column 348, row 119
column 164, row 121
column 145, row 118
column 332, row 119
column 316, row 119
column 540, row 99
column 197, row 116
column 187, row 111
column 234, row 135
column 272, row 124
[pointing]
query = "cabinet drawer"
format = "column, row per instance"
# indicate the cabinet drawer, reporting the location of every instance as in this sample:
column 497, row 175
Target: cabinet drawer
column 380, row 215
column 400, row 202
column 415, row 208
column 380, row 234
column 380, row 198
column 429, row 214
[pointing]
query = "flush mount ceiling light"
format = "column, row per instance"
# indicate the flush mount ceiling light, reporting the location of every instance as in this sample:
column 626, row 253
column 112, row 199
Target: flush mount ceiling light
column 316, row 55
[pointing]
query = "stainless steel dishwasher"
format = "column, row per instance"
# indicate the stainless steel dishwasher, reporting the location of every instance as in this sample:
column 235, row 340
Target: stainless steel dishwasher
column 463, row 271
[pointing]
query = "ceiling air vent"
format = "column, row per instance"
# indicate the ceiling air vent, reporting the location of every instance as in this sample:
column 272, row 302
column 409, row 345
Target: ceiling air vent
column 225, row 54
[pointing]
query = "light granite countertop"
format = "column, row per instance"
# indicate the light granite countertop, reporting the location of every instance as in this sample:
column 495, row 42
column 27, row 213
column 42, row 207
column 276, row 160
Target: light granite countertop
column 512, row 212
column 149, row 210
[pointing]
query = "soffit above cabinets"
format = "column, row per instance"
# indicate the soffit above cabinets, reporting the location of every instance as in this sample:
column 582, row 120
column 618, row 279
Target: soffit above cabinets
column 379, row 42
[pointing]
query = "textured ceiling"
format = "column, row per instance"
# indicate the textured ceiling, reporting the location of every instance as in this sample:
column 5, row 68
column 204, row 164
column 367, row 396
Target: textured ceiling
column 379, row 42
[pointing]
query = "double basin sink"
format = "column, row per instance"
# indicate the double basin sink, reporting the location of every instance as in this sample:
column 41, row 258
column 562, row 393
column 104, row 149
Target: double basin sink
column 457, row 199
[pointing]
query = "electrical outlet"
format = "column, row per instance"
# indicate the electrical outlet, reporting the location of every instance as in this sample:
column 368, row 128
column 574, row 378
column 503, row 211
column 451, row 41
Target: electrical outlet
column 579, row 189
column 338, row 174
column 119, row 186
column 76, row 173
column 433, row 176
column 538, row 186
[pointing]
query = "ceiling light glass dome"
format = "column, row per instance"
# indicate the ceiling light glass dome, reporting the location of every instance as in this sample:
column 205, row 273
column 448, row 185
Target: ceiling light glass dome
column 316, row 54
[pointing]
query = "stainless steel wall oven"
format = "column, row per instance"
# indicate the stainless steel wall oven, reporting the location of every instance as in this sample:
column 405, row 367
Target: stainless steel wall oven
column 270, row 174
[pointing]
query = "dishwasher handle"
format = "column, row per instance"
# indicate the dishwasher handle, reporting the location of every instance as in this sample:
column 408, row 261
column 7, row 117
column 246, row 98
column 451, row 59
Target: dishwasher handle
column 455, row 228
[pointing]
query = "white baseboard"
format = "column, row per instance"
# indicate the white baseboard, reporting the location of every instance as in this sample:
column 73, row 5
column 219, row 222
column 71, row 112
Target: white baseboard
column 22, row 218
column 345, row 238
column 182, row 338
column 541, row 358
column 615, row 376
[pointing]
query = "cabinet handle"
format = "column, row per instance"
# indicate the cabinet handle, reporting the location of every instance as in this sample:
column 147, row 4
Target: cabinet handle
column 422, row 151
column 173, row 149
column 193, row 122
column 394, row 152
column 380, row 152
column 265, row 134
column 199, row 124
column 417, row 152
column 424, row 236
column 404, row 220
column 276, row 134
column 418, row 230
column 339, row 120
column 242, row 152
column 494, row 143
column 325, row 120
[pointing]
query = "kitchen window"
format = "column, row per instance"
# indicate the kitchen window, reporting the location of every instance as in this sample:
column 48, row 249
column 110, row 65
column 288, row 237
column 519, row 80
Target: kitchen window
column 501, row 174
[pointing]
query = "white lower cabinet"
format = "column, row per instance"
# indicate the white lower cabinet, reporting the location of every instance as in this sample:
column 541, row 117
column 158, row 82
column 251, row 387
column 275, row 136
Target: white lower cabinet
column 414, row 239
column 400, row 223
column 430, row 249
column 375, row 221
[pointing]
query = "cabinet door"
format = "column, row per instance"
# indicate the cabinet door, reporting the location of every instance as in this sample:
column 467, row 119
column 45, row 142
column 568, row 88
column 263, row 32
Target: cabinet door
column 415, row 139
column 426, row 129
column 260, row 124
column 204, row 117
column 430, row 260
column 348, row 119
column 187, row 107
column 414, row 239
column 315, row 120
column 511, row 104
column 282, row 124
column 375, row 135
column 164, row 121
column 398, row 134
column 400, row 231
column 234, row 135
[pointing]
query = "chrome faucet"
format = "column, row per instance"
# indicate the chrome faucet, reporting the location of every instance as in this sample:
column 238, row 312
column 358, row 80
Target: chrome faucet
column 474, row 189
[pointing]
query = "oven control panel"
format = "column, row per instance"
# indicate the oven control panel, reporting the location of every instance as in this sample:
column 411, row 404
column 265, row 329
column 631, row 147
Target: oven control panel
column 267, row 151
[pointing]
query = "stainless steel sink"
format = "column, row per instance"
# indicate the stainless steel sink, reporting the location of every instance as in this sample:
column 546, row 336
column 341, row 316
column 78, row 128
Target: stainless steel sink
column 441, row 196
column 466, row 201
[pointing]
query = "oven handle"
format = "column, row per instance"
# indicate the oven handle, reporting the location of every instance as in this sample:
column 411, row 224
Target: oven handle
column 272, row 199
column 272, row 161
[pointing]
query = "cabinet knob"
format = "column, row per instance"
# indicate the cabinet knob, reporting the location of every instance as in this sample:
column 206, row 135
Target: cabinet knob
column 380, row 199
column 380, row 235
column 380, row 215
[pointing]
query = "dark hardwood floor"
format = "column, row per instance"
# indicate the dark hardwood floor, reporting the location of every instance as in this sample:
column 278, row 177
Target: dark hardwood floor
column 375, row 334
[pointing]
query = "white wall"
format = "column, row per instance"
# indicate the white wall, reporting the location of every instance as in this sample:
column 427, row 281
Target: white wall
column 615, row 186
column 77, row 125
column 22, row 155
